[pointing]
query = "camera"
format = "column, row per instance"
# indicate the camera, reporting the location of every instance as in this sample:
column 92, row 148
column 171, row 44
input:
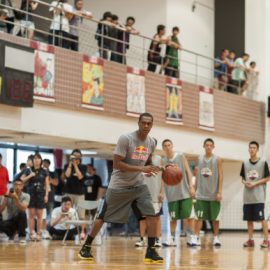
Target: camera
column 72, row 158
column 11, row 190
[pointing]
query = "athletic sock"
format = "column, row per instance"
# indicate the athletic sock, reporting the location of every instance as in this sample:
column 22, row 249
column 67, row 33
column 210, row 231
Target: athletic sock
column 89, row 240
column 151, row 241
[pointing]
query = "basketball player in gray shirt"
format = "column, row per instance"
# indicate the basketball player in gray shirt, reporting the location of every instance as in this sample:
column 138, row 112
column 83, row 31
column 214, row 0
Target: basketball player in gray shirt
column 132, row 157
column 255, row 175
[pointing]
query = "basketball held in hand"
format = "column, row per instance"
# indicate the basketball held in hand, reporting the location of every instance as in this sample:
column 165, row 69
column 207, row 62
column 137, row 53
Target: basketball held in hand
column 172, row 175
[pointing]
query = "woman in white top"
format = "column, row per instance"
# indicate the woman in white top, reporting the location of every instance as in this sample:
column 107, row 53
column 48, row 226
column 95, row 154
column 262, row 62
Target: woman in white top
column 59, row 29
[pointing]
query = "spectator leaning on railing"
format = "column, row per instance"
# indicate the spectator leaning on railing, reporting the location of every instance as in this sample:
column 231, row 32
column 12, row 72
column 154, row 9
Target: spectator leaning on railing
column 59, row 29
column 3, row 16
column 252, row 82
column 239, row 78
column 172, row 61
column 220, row 73
column 76, row 22
column 16, row 203
column 230, row 67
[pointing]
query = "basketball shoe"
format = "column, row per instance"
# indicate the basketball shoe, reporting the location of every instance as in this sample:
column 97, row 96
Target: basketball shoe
column 85, row 253
column 152, row 256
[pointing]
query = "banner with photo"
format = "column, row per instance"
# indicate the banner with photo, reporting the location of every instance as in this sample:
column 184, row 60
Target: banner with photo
column 44, row 71
column 135, row 91
column 206, row 109
column 174, row 101
column 93, row 83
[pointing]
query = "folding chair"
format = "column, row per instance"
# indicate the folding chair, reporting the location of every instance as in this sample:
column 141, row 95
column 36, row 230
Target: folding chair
column 87, row 205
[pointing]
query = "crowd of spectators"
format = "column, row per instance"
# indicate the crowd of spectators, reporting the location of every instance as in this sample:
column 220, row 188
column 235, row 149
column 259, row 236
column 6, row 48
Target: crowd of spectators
column 236, row 74
column 38, row 202
column 231, row 74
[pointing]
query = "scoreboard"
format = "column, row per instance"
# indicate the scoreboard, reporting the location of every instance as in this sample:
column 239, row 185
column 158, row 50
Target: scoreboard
column 16, row 74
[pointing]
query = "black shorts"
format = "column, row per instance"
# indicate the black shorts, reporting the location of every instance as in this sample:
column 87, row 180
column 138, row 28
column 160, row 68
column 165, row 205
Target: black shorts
column 118, row 203
column 253, row 212
column 37, row 200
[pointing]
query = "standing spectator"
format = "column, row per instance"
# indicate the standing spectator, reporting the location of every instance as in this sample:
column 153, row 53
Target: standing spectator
column 154, row 56
column 3, row 17
column 26, row 175
column 22, row 167
column 4, row 178
column 230, row 67
column 16, row 203
column 252, row 81
column 75, row 174
column 172, row 61
column 101, row 35
column 114, row 34
column 239, row 74
column 9, row 16
column 27, row 22
column 60, row 215
column 75, row 23
column 53, row 181
column 255, row 175
column 59, row 29
column 38, row 189
column 220, row 73
column 124, row 39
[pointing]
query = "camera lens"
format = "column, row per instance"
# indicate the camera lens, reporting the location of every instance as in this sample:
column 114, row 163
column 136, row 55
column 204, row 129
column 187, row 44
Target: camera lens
column 11, row 190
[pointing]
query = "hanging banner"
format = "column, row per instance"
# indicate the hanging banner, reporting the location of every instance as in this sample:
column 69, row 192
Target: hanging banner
column 135, row 91
column 93, row 83
column 174, row 101
column 44, row 72
column 206, row 111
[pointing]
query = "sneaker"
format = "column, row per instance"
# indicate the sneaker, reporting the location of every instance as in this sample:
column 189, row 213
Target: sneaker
column 46, row 235
column 171, row 243
column 85, row 253
column 249, row 243
column 157, row 243
column 140, row 243
column 22, row 240
column 152, row 256
column 192, row 241
column 265, row 244
column 38, row 236
column 216, row 242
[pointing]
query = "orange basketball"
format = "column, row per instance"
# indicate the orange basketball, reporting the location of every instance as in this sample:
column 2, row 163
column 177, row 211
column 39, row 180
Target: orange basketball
column 172, row 175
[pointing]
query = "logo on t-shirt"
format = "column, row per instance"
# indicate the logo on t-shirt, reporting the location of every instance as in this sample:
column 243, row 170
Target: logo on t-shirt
column 206, row 172
column 252, row 175
column 140, row 153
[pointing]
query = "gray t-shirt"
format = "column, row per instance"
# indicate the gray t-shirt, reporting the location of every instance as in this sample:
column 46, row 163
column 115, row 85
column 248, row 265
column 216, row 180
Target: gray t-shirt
column 207, row 179
column 253, row 172
column 135, row 152
column 12, row 209
column 154, row 182
column 181, row 190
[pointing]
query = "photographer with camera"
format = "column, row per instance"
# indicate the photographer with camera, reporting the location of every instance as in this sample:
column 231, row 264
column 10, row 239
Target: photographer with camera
column 38, row 187
column 16, row 203
column 75, row 175
column 60, row 215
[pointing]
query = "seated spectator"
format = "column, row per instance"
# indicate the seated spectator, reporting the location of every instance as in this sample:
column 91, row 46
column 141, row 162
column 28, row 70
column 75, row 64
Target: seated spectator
column 59, row 29
column 60, row 215
column 101, row 33
column 239, row 74
column 230, row 67
column 3, row 17
column 38, row 188
column 75, row 23
column 172, row 61
column 27, row 25
column 9, row 14
column 154, row 54
column 252, row 82
column 220, row 72
column 4, row 178
column 15, row 203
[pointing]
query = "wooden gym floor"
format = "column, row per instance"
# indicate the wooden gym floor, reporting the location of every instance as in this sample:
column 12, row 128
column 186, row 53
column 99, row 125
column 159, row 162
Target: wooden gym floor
column 119, row 253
